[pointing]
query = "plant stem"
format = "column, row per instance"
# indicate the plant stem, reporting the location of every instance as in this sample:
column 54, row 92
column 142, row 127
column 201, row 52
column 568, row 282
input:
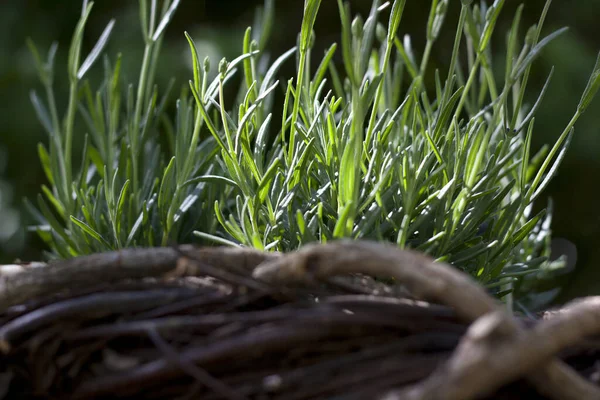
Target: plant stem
column 425, row 59
column 232, row 149
column 69, row 126
column 296, row 109
column 386, row 61
column 135, row 131
column 465, row 92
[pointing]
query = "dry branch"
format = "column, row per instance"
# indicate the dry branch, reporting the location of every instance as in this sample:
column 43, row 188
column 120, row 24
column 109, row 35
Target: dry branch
column 87, row 271
column 223, row 318
column 441, row 282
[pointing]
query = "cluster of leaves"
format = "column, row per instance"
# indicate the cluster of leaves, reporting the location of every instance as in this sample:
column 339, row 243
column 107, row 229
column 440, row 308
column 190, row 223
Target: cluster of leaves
column 118, row 196
column 360, row 150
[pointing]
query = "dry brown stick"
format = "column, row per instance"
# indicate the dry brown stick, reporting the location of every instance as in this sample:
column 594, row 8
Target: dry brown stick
column 372, row 375
column 198, row 322
column 425, row 279
column 90, row 306
column 409, row 308
column 263, row 340
column 565, row 376
column 320, row 316
column 87, row 271
column 483, row 361
column 194, row 371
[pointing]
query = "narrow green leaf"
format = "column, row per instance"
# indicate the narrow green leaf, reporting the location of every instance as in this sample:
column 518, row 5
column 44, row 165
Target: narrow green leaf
column 490, row 23
column 215, row 239
column 534, row 53
column 42, row 113
column 525, row 160
column 522, row 232
column 341, row 225
column 58, row 207
column 121, row 208
column 166, row 19
column 395, row 18
column 213, row 88
column 322, row 69
column 591, row 88
column 347, row 53
column 366, row 44
column 267, row 180
column 92, row 233
column 75, row 48
column 537, row 103
column 211, row 179
column 195, row 62
column 46, row 163
column 96, row 51
column 166, row 190
column 301, row 223
column 559, row 158
column 444, row 116
column 56, row 226
column 272, row 71
column 311, row 8
column 248, row 74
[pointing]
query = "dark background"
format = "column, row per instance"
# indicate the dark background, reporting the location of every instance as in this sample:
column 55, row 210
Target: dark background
column 218, row 26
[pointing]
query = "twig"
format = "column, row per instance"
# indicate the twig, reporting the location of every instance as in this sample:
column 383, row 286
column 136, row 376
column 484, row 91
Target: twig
column 427, row 279
column 197, row 302
column 423, row 278
column 87, row 271
column 409, row 344
column 483, row 361
column 94, row 305
column 409, row 308
column 255, row 342
column 497, row 349
column 202, row 322
column 189, row 368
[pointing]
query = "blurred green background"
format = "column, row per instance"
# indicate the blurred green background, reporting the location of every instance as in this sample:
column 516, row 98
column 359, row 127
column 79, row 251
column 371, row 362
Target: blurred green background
column 218, row 26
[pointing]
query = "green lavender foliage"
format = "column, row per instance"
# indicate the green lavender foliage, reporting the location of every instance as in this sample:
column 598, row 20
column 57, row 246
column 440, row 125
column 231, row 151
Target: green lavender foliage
column 359, row 149
column 365, row 151
column 140, row 171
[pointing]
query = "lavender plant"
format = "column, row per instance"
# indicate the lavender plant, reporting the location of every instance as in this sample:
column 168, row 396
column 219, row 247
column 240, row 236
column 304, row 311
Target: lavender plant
column 360, row 149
